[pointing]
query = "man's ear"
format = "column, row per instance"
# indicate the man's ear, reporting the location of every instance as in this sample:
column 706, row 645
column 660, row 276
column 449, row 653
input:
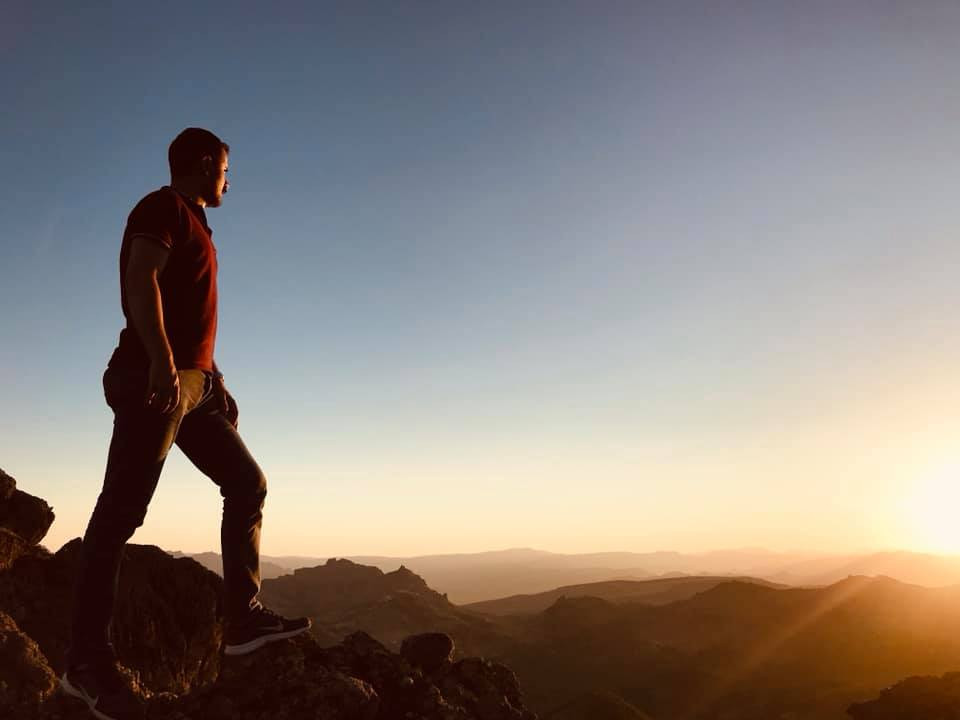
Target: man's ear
column 206, row 164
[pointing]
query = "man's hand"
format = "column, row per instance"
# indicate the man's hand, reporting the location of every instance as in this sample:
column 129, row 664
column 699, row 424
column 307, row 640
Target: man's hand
column 163, row 387
column 225, row 400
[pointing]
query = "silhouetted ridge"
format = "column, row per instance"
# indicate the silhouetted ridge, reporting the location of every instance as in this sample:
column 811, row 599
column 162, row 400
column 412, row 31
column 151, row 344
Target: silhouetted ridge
column 658, row 591
column 343, row 597
column 915, row 698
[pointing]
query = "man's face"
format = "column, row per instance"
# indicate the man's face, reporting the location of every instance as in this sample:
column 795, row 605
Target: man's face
column 216, row 179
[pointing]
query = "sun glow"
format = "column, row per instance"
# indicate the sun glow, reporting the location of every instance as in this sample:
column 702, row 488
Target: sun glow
column 933, row 510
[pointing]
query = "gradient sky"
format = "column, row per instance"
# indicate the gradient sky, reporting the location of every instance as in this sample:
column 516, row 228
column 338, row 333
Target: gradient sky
column 578, row 276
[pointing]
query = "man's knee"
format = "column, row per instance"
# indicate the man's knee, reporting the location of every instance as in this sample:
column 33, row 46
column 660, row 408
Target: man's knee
column 249, row 486
column 116, row 521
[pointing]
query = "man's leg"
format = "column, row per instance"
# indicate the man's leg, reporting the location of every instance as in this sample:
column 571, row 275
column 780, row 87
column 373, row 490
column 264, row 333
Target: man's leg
column 215, row 447
column 141, row 440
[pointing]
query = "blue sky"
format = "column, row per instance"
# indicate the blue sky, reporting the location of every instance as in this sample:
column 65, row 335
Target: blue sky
column 578, row 276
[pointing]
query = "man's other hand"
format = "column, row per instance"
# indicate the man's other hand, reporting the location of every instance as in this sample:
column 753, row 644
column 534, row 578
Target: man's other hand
column 163, row 388
column 225, row 400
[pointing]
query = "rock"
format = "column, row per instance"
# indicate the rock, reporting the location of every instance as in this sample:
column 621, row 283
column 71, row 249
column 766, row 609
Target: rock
column 297, row 686
column 486, row 690
column 26, row 679
column 26, row 515
column 167, row 624
column 7, row 486
column 12, row 546
column 428, row 651
column 60, row 706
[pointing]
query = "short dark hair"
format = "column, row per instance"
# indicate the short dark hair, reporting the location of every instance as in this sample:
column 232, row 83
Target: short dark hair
column 190, row 146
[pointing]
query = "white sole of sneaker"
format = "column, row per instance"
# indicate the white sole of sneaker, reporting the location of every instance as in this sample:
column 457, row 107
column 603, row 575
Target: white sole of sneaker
column 80, row 694
column 249, row 647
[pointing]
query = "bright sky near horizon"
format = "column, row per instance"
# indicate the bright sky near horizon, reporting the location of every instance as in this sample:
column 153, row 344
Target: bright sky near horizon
column 578, row 276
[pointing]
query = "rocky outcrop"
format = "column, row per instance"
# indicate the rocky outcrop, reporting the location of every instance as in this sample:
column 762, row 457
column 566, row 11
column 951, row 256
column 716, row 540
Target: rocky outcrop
column 339, row 585
column 24, row 521
column 167, row 622
column 342, row 597
column 7, row 486
column 359, row 679
column 915, row 698
column 26, row 679
column 168, row 630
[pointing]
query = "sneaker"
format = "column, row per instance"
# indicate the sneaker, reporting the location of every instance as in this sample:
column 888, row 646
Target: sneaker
column 105, row 691
column 263, row 626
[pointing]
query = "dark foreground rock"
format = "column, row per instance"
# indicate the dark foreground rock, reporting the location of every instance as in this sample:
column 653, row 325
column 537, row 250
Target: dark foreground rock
column 915, row 698
column 167, row 623
column 297, row 679
column 429, row 651
column 26, row 679
column 168, row 633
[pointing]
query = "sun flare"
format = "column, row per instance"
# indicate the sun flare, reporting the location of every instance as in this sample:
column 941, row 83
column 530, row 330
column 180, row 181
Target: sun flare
column 933, row 510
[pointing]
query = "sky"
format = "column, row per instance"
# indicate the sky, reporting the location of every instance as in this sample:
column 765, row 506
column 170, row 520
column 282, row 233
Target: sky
column 577, row 276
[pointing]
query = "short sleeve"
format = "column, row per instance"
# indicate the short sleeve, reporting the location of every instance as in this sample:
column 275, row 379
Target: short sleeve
column 157, row 217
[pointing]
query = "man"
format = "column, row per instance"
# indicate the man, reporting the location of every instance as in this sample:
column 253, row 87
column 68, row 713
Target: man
column 164, row 387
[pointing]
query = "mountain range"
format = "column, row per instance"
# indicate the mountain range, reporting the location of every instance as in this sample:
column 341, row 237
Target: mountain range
column 477, row 577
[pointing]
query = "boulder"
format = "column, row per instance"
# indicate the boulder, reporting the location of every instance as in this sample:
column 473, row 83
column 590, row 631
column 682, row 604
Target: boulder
column 26, row 515
column 428, row 651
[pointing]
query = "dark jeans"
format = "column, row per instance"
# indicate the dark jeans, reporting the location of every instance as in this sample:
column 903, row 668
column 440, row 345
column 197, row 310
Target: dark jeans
column 142, row 437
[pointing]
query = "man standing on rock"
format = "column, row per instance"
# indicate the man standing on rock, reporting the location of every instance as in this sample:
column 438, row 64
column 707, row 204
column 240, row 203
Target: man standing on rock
column 164, row 387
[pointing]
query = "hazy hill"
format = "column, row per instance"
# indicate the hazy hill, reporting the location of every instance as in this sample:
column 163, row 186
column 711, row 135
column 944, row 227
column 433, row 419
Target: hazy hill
column 909, row 567
column 477, row 577
column 740, row 649
column 654, row 592
column 214, row 562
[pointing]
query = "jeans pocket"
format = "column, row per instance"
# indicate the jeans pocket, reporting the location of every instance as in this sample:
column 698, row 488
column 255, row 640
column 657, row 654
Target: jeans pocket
column 123, row 388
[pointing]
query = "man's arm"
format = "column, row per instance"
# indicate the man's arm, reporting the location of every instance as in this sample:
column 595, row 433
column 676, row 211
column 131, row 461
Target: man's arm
column 146, row 262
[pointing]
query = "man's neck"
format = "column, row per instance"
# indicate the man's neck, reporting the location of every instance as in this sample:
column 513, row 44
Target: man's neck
column 188, row 193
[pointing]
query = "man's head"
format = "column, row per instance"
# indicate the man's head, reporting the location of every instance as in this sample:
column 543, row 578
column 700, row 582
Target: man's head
column 198, row 165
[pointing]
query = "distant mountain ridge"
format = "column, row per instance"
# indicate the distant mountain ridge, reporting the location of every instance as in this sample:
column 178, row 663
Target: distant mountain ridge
column 214, row 562
column 741, row 649
column 476, row 577
column 659, row 591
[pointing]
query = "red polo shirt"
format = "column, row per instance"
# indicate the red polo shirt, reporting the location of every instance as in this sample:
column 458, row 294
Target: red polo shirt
column 188, row 283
